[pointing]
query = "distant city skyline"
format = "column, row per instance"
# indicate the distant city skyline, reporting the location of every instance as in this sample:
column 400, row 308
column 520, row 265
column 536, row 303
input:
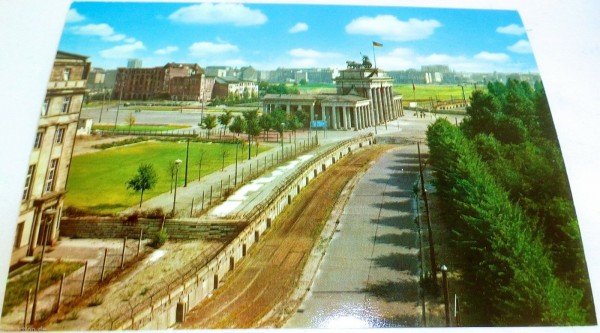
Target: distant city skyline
column 296, row 36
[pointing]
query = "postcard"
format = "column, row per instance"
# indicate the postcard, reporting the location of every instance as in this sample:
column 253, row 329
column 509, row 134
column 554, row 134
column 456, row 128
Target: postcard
column 219, row 165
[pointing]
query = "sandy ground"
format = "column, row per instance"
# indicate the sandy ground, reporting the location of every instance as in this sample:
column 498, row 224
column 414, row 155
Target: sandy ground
column 84, row 144
column 269, row 275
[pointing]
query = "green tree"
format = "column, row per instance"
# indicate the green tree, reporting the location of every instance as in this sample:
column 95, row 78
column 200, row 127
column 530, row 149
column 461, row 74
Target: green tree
column 500, row 246
column 265, row 121
column 278, row 118
column 252, row 128
column 224, row 119
column 144, row 179
column 293, row 123
column 209, row 122
column 238, row 126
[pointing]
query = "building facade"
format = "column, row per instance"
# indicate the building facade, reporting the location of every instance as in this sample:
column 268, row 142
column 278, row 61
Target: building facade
column 49, row 162
column 232, row 86
column 172, row 81
column 364, row 98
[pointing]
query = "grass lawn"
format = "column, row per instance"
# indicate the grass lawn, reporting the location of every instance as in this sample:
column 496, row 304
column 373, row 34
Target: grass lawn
column 16, row 290
column 98, row 181
column 442, row 92
column 316, row 88
column 144, row 128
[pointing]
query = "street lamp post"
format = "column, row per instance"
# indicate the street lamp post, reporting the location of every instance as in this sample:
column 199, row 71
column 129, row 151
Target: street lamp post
column 444, row 270
column 120, row 98
column 282, row 128
column 187, row 154
column 102, row 106
column 47, row 215
column 463, row 92
column 177, row 163
column 236, row 161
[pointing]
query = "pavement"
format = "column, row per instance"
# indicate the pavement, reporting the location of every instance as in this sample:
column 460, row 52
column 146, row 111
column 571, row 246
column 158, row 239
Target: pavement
column 369, row 274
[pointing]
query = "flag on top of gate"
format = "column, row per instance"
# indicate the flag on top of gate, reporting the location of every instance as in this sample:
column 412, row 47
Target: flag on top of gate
column 375, row 44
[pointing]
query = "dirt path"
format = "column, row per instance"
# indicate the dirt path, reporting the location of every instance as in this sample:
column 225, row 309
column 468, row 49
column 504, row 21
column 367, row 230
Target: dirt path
column 85, row 144
column 269, row 274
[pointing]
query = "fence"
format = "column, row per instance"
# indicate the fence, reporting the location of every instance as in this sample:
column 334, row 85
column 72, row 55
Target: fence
column 70, row 289
column 177, row 294
column 173, row 133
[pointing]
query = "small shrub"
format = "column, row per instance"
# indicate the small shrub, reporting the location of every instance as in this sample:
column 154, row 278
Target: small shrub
column 133, row 218
column 144, row 291
column 95, row 301
column 73, row 315
column 156, row 213
column 159, row 239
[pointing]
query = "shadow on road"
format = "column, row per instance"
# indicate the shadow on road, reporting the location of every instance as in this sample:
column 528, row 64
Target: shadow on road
column 399, row 262
column 394, row 291
column 407, row 239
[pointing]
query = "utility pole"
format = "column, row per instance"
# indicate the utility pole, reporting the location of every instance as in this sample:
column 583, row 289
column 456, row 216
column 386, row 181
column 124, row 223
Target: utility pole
column 430, row 237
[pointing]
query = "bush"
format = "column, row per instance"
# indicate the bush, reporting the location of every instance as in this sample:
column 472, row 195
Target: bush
column 156, row 213
column 133, row 218
column 95, row 301
column 159, row 239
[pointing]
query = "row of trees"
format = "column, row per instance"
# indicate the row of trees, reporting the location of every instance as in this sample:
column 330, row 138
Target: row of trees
column 249, row 123
column 252, row 124
column 234, row 98
column 504, row 190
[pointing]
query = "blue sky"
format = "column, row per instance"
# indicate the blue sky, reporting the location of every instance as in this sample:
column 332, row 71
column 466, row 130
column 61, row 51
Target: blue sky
column 268, row 36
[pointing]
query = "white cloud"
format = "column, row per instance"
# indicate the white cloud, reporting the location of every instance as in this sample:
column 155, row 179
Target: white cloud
column 218, row 13
column 202, row 49
column 313, row 58
column 122, row 51
column 484, row 61
column 298, row 27
column 167, row 50
column 114, row 38
column 521, row 46
column 102, row 30
column 499, row 57
column 74, row 16
column 511, row 29
column 388, row 27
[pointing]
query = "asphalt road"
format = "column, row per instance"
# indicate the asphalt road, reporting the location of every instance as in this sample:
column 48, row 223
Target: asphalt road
column 369, row 275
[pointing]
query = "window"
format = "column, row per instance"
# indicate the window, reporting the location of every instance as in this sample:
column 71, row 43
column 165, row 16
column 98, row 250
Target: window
column 60, row 135
column 66, row 74
column 39, row 136
column 28, row 182
column 19, row 235
column 51, row 175
column 65, row 106
column 45, row 107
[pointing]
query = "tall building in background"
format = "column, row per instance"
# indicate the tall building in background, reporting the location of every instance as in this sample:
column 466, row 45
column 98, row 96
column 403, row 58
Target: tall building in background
column 134, row 63
column 50, row 159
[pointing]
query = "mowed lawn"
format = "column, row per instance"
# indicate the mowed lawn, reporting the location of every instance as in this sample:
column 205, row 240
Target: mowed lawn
column 442, row 92
column 98, row 181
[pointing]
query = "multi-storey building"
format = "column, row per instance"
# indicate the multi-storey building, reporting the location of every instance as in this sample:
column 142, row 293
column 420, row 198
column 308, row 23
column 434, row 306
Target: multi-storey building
column 134, row 63
column 232, row 86
column 49, row 162
column 172, row 81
